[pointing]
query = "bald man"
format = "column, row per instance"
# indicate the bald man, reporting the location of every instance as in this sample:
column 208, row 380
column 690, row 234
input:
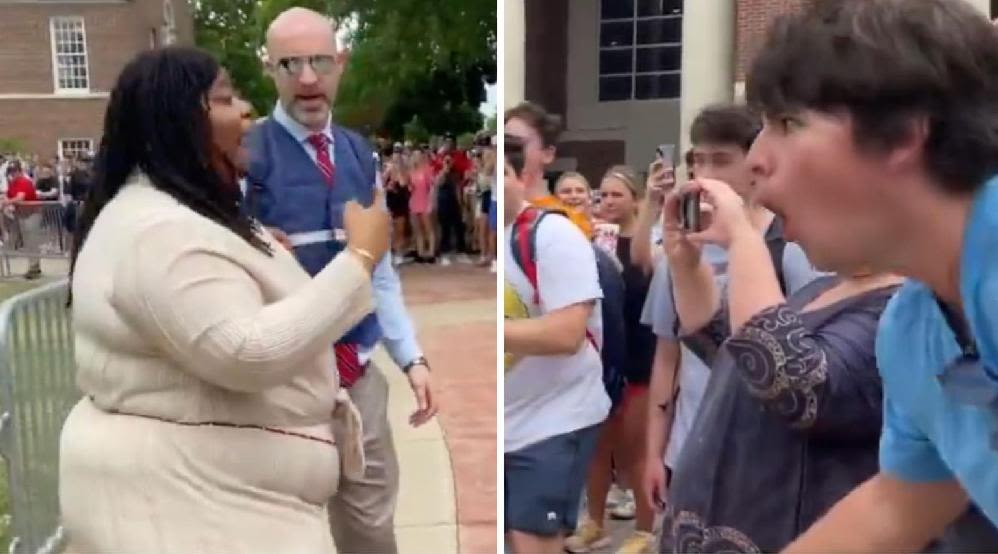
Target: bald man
column 302, row 170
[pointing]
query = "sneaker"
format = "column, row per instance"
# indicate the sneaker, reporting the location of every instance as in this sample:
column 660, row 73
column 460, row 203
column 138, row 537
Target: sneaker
column 615, row 496
column 641, row 542
column 444, row 261
column 587, row 538
column 493, row 268
column 397, row 260
column 625, row 507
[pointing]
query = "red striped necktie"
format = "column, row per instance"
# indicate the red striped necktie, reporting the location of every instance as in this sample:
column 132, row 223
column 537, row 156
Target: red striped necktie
column 347, row 361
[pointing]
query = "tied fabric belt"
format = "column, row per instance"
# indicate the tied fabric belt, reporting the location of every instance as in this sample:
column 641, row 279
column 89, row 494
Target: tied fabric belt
column 348, row 362
column 347, row 427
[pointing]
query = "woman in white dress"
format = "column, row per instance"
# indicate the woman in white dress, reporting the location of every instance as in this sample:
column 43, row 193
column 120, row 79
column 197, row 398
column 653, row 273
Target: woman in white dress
column 212, row 418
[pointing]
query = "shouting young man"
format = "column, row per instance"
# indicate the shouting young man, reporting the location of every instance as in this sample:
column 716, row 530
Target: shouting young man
column 880, row 149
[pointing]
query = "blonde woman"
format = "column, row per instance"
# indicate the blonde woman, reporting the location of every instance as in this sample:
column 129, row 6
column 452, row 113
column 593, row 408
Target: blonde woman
column 421, row 206
column 486, row 183
column 574, row 190
column 622, row 438
column 397, row 195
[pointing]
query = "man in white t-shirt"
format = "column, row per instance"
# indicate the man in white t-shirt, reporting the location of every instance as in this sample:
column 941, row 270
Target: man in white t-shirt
column 554, row 393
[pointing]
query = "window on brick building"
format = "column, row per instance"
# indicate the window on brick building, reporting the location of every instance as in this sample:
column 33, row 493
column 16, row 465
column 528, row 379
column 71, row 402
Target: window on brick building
column 74, row 148
column 640, row 49
column 169, row 23
column 69, row 54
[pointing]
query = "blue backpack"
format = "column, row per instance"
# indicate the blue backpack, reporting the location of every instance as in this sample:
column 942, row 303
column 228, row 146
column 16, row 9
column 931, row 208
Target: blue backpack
column 523, row 242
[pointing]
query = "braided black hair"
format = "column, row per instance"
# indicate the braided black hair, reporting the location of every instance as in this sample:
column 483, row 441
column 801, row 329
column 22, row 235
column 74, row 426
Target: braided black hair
column 157, row 122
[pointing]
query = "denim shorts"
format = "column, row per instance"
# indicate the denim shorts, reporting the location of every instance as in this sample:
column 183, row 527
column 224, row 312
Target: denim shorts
column 543, row 482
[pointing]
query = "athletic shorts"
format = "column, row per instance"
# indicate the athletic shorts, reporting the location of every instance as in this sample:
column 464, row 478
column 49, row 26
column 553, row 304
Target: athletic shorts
column 543, row 483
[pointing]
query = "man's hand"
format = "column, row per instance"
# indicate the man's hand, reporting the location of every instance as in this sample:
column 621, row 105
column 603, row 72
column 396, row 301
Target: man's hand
column 678, row 249
column 661, row 181
column 654, row 484
column 422, row 387
column 727, row 219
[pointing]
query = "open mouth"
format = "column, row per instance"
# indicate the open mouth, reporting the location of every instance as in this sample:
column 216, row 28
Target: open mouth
column 311, row 101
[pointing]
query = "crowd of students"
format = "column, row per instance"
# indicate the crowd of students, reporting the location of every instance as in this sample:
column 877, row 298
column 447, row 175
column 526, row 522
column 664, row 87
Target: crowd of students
column 25, row 185
column 442, row 201
column 765, row 378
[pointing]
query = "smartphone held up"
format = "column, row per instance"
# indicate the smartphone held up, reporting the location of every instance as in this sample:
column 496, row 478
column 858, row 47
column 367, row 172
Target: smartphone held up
column 689, row 212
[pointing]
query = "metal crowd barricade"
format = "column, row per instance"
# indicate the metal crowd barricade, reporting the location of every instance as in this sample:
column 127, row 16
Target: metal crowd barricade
column 34, row 230
column 37, row 391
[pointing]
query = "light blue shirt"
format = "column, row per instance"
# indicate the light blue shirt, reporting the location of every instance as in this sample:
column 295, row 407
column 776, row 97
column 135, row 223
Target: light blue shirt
column 399, row 335
column 930, row 434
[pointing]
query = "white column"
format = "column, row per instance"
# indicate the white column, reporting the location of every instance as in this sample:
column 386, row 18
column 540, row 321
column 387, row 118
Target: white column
column 983, row 5
column 708, row 60
column 514, row 53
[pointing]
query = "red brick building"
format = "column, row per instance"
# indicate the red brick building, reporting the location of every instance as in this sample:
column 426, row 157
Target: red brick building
column 60, row 58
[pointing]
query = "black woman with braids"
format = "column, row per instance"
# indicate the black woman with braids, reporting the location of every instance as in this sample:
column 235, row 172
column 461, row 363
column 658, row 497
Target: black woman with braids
column 212, row 418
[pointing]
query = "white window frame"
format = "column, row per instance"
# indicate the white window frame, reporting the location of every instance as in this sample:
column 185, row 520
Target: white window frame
column 62, row 146
column 633, row 47
column 53, row 21
column 169, row 23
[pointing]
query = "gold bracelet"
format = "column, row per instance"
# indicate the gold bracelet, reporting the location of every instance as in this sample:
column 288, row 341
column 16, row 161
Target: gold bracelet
column 363, row 254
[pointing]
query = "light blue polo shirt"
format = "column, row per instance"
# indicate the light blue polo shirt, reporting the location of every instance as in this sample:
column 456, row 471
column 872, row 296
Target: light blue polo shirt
column 929, row 435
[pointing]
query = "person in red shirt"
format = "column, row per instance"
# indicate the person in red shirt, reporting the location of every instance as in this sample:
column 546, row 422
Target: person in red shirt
column 19, row 186
column 451, row 168
column 28, row 221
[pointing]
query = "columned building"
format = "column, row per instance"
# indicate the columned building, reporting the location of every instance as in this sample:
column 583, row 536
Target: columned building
column 628, row 75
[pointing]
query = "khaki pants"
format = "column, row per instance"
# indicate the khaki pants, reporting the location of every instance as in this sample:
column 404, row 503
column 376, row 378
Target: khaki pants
column 362, row 513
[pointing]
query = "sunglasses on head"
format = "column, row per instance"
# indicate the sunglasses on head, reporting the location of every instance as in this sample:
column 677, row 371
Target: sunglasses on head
column 322, row 64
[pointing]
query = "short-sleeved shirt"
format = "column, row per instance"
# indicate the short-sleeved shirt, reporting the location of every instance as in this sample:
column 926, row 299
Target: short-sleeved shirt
column 547, row 396
column 460, row 165
column 660, row 313
column 930, row 434
column 22, row 185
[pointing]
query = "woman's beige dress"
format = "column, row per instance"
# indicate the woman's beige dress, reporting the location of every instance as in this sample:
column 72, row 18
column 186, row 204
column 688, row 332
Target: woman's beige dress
column 179, row 319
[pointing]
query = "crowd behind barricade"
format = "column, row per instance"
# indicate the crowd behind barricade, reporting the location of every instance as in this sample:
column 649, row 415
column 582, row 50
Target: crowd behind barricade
column 40, row 197
column 750, row 372
column 442, row 200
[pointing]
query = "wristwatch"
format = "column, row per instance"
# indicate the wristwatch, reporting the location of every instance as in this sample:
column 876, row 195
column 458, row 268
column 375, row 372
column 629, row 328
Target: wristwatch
column 418, row 361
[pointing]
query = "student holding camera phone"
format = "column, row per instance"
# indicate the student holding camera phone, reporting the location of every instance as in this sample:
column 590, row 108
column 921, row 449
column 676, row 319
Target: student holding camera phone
column 721, row 137
column 792, row 371
column 661, row 179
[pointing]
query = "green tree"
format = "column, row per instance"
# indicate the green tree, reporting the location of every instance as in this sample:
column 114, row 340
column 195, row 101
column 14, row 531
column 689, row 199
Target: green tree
column 227, row 28
column 415, row 132
column 399, row 48
column 11, row 146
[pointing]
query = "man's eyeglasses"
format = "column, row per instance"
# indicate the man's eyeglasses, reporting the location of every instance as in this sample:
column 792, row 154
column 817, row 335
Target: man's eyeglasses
column 294, row 65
